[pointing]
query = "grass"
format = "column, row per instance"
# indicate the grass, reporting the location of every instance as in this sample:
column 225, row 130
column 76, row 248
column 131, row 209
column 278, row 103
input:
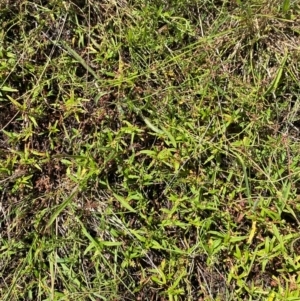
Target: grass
column 149, row 150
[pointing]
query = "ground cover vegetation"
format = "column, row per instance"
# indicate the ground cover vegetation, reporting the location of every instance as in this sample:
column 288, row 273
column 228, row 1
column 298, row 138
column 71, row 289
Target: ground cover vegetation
column 149, row 150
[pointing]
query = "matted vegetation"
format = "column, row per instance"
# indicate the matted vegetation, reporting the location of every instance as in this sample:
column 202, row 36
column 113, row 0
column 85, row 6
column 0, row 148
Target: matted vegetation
column 149, row 150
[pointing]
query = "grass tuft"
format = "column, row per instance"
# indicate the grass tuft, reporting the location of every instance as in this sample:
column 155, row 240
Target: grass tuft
column 149, row 150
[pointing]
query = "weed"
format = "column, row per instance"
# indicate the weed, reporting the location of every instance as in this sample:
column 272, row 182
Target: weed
column 149, row 150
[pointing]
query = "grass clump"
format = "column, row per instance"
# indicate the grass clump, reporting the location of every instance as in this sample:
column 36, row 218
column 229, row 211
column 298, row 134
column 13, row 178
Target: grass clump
column 149, row 150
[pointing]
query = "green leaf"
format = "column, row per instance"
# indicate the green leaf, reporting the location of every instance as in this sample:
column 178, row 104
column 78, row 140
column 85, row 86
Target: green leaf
column 286, row 6
column 14, row 102
column 142, row 237
column 111, row 243
column 8, row 89
column 124, row 202
column 152, row 126
column 276, row 81
column 170, row 136
column 62, row 206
